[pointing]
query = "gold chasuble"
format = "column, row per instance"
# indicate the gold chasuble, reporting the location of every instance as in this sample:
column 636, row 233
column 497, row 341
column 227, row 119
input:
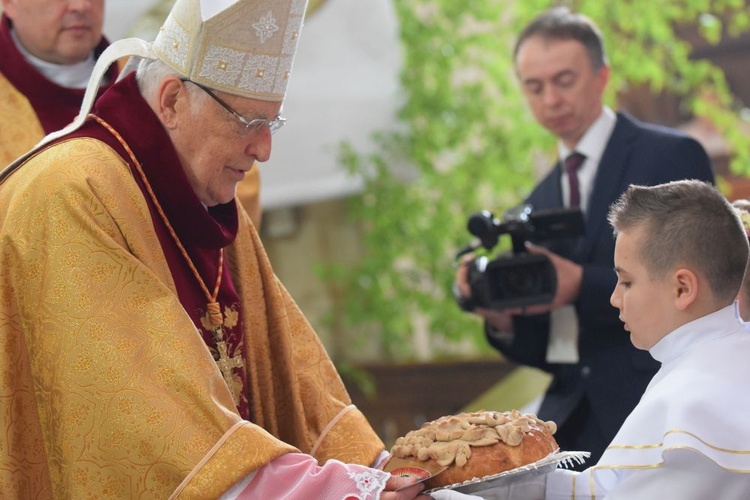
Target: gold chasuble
column 19, row 126
column 109, row 382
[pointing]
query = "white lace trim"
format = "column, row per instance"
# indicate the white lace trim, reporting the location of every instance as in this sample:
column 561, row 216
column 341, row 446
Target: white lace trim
column 368, row 484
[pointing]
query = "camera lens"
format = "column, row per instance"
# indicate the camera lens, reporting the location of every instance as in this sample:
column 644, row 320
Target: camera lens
column 523, row 280
column 520, row 280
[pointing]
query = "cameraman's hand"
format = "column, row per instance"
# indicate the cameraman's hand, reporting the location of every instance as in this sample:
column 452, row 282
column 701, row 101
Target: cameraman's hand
column 501, row 321
column 462, row 275
column 569, row 276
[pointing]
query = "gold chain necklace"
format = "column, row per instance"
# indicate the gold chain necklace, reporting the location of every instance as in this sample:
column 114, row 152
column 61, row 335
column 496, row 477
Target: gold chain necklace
column 226, row 363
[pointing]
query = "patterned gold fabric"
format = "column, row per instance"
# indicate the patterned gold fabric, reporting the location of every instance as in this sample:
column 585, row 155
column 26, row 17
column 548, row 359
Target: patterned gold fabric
column 19, row 126
column 248, row 193
column 107, row 390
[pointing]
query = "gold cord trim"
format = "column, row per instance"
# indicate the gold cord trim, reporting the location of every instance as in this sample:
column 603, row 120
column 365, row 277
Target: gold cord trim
column 226, row 363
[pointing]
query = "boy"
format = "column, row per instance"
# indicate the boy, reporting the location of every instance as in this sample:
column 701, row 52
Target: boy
column 680, row 257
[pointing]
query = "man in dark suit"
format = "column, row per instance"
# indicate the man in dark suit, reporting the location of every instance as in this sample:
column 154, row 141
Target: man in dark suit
column 598, row 376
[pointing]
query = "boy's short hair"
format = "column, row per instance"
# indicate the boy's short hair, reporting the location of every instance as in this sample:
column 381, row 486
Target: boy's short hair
column 687, row 223
column 559, row 23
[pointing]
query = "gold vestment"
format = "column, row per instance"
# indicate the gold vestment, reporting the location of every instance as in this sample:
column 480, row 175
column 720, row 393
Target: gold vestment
column 107, row 390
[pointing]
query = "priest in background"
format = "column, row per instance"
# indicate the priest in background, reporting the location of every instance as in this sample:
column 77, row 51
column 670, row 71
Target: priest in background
column 48, row 49
column 147, row 347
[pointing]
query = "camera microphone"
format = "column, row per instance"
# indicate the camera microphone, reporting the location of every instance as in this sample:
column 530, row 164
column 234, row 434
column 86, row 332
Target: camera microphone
column 484, row 225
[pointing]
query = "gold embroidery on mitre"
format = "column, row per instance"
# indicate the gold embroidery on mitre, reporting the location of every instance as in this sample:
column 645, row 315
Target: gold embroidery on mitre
column 273, row 27
column 265, row 27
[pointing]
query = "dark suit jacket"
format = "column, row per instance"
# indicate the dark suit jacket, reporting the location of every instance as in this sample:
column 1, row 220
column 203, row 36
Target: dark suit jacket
column 612, row 373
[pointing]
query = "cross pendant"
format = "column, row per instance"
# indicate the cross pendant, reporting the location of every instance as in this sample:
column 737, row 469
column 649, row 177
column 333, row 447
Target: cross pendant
column 227, row 364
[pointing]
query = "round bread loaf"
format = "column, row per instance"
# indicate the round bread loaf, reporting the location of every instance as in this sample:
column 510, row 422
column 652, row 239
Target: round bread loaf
column 475, row 445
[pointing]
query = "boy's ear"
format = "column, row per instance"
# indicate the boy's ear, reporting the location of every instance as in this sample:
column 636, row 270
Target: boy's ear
column 685, row 287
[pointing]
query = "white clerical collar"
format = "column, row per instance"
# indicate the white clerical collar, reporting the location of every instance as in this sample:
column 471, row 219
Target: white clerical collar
column 72, row 76
column 723, row 322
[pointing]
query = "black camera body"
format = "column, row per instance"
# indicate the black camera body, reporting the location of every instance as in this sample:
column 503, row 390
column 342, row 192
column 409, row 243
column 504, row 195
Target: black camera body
column 520, row 279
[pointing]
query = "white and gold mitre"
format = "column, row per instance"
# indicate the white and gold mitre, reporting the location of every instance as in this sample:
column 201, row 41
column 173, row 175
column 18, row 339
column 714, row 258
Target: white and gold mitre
column 242, row 47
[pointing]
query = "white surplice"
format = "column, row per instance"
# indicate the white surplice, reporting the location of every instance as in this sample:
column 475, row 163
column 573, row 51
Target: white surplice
column 689, row 436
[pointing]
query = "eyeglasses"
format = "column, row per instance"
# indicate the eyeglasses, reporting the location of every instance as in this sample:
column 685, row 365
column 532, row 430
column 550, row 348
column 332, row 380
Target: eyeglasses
column 255, row 125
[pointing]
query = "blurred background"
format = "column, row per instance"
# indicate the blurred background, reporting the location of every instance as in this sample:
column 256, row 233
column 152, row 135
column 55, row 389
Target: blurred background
column 404, row 117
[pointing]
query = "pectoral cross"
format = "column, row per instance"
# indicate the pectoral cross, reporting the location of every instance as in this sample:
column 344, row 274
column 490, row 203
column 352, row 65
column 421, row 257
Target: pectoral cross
column 227, row 363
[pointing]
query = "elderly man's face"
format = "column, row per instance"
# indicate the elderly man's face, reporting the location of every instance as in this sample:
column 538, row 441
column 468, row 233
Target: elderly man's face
column 214, row 147
column 57, row 31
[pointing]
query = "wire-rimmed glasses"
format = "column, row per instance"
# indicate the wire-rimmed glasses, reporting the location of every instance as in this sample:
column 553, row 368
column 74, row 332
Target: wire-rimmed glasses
column 256, row 124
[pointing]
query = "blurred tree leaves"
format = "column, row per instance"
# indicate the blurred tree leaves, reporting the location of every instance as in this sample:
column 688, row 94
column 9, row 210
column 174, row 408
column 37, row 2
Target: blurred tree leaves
column 466, row 142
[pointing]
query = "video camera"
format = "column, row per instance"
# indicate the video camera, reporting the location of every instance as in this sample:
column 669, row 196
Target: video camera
column 520, row 279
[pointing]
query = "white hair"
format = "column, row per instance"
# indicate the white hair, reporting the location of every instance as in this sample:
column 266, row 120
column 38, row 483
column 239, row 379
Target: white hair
column 150, row 74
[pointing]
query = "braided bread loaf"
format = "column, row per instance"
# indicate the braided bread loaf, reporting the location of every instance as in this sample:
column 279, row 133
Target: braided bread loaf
column 475, row 445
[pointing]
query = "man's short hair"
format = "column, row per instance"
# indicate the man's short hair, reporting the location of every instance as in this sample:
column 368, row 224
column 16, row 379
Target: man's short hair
column 559, row 23
column 687, row 223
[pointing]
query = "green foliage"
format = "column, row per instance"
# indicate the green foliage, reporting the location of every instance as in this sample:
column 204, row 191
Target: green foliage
column 467, row 142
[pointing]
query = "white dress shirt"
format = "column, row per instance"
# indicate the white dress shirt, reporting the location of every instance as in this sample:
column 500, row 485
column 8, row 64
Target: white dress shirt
column 592, row 145
column 563, row 339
